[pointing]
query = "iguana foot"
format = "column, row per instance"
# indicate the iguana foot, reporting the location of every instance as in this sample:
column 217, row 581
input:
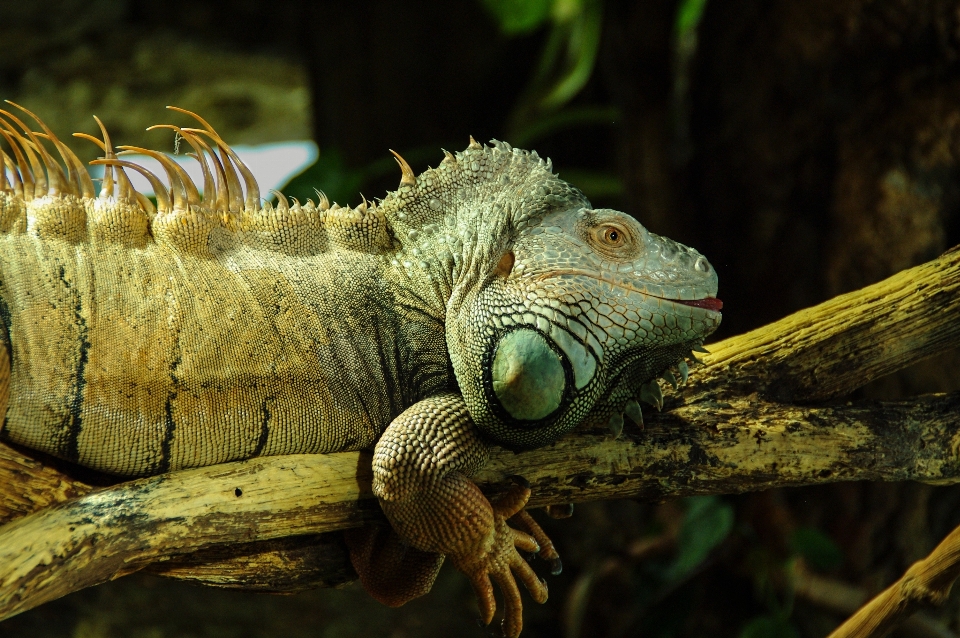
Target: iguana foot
column 421, row 469
column 391, row 570
column 498, row 559
column 523, row 521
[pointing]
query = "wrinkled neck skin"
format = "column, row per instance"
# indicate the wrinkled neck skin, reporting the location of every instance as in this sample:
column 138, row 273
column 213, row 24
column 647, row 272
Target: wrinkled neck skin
column 555, row 313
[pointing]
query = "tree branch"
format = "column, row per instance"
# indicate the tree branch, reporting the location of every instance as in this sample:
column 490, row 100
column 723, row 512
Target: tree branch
column 926, row 584
column 736, row 427
column 831, row 349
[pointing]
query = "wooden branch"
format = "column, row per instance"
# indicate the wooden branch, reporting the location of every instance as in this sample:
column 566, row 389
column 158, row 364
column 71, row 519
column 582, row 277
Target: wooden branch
column 926, row 584
column 843, row 598
column 833, row 348
column 734, row 428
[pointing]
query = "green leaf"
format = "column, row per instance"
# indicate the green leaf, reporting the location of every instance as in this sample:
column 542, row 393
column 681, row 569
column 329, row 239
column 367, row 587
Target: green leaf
column 519, row 16
column 816, row 547
column 688, row 16
column 706, row 524
column 582, row 34
column 769, row 627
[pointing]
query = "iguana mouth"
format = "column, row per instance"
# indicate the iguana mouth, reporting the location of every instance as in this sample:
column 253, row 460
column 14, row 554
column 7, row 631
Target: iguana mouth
column 709, row 303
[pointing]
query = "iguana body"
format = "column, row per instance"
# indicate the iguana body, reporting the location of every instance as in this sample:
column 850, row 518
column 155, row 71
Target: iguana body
column 483, row 302
column 140, row 361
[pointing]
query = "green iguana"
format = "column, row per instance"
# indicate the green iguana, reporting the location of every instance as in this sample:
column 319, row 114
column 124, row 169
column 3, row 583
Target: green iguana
column 484, row 302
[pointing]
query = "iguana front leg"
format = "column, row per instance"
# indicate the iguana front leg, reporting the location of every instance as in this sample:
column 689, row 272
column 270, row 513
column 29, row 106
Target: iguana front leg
column 421, row 470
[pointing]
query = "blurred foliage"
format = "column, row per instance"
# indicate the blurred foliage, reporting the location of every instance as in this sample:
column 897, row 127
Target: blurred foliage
column 566, row 61
column 770, row 626
column 688, row 17
column 707, row 523
column 519, row 16
column 685, row 26
column 773, row 577
column 565, row 65
column 772, row 589
column 816, row 548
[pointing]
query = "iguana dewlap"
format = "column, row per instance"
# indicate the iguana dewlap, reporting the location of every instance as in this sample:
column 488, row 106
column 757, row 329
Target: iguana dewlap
column 483, row 302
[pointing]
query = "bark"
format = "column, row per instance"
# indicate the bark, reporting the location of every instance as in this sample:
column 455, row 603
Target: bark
column 926, row 584
column 762, row 413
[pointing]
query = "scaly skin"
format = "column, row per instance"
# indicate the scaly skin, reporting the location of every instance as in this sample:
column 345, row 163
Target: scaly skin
column 483, row 302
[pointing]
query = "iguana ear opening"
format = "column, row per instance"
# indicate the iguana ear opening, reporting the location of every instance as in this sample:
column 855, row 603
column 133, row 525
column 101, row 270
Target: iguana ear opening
column 505, row 265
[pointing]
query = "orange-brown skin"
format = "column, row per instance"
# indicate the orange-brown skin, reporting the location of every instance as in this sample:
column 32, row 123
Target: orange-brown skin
column 436, row 435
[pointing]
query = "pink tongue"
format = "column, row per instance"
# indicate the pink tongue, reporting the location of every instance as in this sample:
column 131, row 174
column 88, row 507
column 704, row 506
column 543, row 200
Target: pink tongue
column 710, row 303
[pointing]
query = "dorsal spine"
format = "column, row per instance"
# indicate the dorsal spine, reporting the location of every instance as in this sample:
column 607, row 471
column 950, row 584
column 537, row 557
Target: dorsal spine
column 38, row 197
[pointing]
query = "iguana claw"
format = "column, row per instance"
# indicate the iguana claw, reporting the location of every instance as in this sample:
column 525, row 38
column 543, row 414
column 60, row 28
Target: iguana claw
column 501, row 561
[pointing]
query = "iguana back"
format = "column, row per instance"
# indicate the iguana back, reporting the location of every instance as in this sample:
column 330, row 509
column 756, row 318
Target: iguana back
column 192, row 338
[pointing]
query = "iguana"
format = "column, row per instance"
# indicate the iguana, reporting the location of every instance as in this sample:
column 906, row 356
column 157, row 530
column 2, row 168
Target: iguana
column 484, row 302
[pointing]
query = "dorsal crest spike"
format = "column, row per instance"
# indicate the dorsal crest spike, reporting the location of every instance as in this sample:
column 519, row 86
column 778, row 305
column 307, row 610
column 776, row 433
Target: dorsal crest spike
column 228, row 157
column 90, row 138
column 283, row 205
column 407, row 177
column 220, row 195
column 19, row 170
column 77, row 178
column 159, row 190
column 481, row 189
column 252, row 198
column 107, row 144
column 3, row 173
column 107, row 185
column 322, row 202
column 183, row 189
column 145, row 204
column 209, row 189
column 36, row 166
column 14, row 174
column 75, row 168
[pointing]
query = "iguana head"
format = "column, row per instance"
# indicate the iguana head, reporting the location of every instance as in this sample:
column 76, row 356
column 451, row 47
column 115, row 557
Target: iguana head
column 555, row 311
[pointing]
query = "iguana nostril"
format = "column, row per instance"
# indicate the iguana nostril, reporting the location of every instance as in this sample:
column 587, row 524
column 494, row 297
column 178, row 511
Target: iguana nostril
column 702, row 265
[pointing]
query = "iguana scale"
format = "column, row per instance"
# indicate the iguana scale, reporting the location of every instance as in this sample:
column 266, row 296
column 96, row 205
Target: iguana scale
column 483, row 302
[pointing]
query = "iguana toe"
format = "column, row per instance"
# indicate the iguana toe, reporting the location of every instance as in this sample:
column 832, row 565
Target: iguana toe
column 501, row 562
column 522, row 520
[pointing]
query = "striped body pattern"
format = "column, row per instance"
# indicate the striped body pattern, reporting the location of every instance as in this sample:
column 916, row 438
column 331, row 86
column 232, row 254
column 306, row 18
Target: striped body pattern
column 483, row 302
column 145, row 339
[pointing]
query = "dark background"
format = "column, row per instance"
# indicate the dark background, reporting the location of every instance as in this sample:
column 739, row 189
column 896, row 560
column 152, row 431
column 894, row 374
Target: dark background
column 807, row 148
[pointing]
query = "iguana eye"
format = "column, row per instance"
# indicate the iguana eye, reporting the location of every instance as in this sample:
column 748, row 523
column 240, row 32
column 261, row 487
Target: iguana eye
column 611, row 238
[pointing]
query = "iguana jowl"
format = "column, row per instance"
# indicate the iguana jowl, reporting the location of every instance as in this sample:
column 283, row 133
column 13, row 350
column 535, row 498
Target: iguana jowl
column 483, row 302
